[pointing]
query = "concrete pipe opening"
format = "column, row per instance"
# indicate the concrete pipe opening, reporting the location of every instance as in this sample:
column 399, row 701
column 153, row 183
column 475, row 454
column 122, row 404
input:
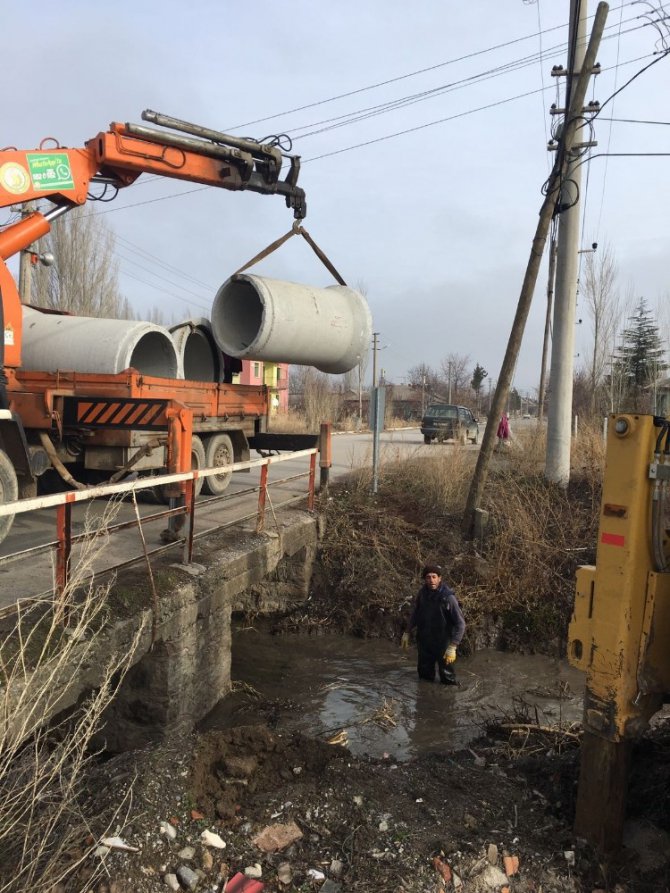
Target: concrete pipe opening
column 283, row 322
column 54, row 342
column 199, row 356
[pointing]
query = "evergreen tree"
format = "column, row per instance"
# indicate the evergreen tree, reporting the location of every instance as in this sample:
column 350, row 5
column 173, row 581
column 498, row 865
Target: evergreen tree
column 478, row 376
column 640, row 358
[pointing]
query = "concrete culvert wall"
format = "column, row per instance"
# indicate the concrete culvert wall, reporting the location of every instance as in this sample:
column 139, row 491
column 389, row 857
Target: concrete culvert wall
column 283, row 322
column 52, row 342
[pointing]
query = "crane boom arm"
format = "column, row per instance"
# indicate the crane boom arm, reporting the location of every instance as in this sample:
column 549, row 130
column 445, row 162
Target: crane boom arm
column 115, row 158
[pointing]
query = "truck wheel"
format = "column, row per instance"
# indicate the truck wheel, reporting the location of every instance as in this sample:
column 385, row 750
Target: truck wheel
column 427, row 438
column 9, row 491
column 197, row 462
column 475, row 439
column 219, row 451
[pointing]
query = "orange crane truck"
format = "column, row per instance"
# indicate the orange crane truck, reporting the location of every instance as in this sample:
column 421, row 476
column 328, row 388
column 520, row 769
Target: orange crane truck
column 99, row 422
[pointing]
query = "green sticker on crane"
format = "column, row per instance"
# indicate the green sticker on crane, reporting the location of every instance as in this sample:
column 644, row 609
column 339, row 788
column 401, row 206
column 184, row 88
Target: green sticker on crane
column 50, row 171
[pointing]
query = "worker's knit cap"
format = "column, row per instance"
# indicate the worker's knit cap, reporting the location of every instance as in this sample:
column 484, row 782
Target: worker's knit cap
column 431, row 569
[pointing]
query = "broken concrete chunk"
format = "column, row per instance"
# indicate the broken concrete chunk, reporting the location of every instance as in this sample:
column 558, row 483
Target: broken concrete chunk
column 211, row 838
column 277, row 837
column 172, row 881
column 284, row 873
column 254, row 870
column 336, row 867
column 187, row 877
column 492, row 877
column 168, row 830
column 492, row 854
column 186, row 854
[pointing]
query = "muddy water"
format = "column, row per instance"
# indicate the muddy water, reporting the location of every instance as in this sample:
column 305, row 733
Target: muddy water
column 322, row 685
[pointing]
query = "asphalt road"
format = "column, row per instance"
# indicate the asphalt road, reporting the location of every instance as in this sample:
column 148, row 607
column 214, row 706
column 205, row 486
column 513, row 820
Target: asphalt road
column 32, row 575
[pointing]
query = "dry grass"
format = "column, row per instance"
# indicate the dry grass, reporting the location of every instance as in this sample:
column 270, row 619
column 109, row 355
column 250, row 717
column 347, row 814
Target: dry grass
column 43, row 827
column 516, row 587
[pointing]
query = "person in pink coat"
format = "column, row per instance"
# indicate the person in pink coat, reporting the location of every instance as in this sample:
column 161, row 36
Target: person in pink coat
column 503, row 432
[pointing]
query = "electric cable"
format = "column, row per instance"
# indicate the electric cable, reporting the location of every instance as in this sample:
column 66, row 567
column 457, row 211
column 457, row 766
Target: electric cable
column 609, row 135
column 401, row 77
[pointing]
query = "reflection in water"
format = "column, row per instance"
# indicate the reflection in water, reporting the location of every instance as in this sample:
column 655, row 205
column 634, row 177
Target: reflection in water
column 322, row 685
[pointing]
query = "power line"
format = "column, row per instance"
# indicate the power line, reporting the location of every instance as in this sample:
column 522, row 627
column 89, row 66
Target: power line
column 397, row 78
column 131, row 246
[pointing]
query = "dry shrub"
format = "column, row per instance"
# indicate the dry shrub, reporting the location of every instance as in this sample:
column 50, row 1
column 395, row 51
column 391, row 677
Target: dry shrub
column 43, row 768
column 292, row 422
column 588, row 449
column 539, row 534
column 516, row 587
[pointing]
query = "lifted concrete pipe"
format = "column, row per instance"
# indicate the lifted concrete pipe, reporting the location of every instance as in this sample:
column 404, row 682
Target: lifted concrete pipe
column 53, row 342
column 282, row 322
column 200, row 358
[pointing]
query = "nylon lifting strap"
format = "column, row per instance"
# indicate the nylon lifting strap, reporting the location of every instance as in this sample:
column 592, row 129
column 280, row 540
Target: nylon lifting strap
column 295, row 230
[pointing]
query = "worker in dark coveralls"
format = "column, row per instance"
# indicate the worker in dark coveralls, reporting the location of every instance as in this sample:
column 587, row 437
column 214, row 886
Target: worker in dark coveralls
column 440, row 626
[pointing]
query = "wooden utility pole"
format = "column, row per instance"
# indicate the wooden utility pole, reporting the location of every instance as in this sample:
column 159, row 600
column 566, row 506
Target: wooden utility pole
column 537, row 249
column 26, row 263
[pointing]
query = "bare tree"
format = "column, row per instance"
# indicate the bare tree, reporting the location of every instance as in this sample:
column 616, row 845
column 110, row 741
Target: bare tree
column 599, row 291
column 320, row 395
column 455, row 370
column 84, row 277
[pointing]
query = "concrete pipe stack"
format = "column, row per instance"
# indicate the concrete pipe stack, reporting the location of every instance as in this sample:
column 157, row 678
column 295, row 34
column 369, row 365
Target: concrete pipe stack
column 200, row 358
column 53, row 342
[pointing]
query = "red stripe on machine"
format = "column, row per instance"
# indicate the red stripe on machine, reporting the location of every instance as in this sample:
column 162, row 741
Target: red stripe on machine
column 612, row 539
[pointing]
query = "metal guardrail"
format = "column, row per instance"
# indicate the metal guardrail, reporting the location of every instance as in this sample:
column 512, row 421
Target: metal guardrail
column 180, row 532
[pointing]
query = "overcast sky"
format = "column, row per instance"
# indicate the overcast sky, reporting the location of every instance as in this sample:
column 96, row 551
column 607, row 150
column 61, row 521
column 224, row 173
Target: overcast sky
column 436, row 222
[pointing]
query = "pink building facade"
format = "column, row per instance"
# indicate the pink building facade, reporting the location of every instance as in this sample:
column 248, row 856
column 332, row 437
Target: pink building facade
column 274, row 375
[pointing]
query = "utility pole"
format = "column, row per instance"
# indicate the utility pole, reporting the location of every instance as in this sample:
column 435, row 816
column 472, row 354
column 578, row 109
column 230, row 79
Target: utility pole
column 423, row 393
column 556, row 178
column 547, row 328
column 26, row 263
column 449, row 369
column 557, row 465
column 360, row 393
column 375, row 348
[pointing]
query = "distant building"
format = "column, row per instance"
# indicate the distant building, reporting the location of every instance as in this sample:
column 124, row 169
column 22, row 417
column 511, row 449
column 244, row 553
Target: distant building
column 274, row 375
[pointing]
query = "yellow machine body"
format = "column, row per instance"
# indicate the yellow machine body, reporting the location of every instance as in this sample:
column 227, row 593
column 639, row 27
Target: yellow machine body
column 620, row 630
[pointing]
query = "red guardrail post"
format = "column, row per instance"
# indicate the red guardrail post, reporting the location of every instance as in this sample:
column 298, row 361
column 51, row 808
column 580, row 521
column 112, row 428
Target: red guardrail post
column 189, row 521
column 262, row 493
column 325, row 454
column 64, row 547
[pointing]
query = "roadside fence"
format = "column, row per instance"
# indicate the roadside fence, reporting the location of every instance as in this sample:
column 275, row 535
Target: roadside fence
column 181, row 515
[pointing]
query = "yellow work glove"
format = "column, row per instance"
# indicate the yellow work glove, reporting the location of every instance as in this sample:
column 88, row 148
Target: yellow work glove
column 450, row 654
column 404, row 641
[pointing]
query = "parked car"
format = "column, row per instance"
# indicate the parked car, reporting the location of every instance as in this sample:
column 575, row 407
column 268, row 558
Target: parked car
column 446, row 421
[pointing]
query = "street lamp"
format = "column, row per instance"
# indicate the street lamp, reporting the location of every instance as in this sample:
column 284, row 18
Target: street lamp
column 27, row 260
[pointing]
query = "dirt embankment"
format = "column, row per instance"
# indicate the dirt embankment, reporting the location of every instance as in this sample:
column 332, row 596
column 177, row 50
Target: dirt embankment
column 367, row 825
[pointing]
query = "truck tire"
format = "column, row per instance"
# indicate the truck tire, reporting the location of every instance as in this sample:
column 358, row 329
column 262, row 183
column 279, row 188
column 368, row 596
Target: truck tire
column 197, row 461
column 9, row 491
column 218, row 451
column 427, row 438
